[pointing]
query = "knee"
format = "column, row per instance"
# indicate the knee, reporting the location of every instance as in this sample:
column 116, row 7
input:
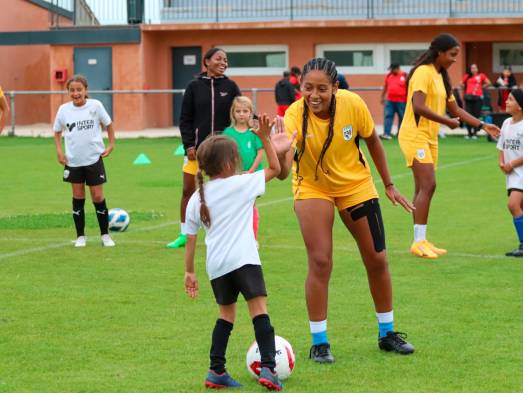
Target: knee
column 514, row 209
column 320, row 266
column 378, row 265
column 428, row 187
column 187, row 191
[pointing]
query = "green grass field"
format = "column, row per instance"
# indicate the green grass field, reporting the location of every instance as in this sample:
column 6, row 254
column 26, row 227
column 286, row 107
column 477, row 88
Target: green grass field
column 118, row 320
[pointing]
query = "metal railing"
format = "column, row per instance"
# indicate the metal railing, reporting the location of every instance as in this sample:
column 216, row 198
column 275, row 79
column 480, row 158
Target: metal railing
column 121, row 12
column 252, row 92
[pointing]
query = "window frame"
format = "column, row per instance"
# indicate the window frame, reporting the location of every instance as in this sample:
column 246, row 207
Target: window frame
column 377, row 56
column 496, row 48
column 402, row 46
column 256, row 71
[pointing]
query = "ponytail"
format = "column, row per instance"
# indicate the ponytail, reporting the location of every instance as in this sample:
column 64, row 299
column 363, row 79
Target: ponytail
column 205, row 216
column 440, row 43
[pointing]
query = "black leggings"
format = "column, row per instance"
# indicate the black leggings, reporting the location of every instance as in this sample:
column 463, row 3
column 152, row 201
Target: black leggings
column 474, row 108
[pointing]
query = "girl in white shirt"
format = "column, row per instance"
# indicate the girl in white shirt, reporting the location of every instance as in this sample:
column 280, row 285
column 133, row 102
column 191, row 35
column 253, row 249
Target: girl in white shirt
column 81, row 121
column 224, row 206
column 510, row 145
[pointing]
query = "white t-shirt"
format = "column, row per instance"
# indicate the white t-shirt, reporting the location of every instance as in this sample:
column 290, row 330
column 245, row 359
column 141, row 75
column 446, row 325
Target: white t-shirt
column 82, row 132
column 230, row 238
column 511, row 143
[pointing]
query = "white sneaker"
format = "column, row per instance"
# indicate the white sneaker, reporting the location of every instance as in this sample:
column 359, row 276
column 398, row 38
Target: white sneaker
column 80, row 242
column 107, row 241
column 474, row 137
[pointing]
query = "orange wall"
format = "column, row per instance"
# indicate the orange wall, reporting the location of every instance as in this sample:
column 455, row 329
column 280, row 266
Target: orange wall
column 128, row 109
column 302, row 43
column 25, row 67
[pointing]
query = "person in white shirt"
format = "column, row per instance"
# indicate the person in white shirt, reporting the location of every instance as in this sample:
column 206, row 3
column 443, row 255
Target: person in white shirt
column 224, row 207
column 510, row 145
column 80, row 121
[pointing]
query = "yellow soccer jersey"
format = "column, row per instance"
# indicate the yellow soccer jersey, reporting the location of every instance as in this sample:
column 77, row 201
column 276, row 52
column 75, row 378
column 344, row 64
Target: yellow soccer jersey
column 429, row 81
column 345, row 167
column 1, row 92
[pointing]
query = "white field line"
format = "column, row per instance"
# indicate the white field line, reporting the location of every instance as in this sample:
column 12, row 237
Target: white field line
column 263, row 204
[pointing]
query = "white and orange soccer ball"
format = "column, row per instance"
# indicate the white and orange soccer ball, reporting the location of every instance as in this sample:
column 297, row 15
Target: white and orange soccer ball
column 285, row 359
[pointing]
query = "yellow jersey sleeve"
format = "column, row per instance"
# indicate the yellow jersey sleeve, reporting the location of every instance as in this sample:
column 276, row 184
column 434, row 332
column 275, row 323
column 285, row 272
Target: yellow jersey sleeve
column 293, row 120
column 421, row 80
column 1, row 92
column 365, row 121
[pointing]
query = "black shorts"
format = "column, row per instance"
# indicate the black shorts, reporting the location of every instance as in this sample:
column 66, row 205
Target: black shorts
column 247, row 279
column 513, row 189
column 92, row 175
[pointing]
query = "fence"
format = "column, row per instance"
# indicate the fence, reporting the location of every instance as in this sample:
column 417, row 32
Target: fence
column 118, row 12
column 254, row 93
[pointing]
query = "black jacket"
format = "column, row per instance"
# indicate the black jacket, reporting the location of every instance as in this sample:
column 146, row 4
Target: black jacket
column 284, row 92
column 205, row 110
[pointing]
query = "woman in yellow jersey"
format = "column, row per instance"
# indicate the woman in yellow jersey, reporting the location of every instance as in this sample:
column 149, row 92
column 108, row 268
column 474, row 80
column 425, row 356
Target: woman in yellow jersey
column 429, row 96
column 330, row 170
column 4, row 109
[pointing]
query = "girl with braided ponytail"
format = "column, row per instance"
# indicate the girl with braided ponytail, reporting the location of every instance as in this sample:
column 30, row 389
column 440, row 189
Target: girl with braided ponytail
column 224, row 206
column 429, row 96
column 330, row 170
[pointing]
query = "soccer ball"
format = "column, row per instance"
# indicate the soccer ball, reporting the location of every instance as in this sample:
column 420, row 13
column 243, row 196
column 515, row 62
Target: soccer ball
column 285, row 359
column 118, row 220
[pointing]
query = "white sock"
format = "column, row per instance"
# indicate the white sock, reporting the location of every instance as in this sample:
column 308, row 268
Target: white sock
column 385, row 317
column 182, row 228
column 318, row 327
column 420, row 232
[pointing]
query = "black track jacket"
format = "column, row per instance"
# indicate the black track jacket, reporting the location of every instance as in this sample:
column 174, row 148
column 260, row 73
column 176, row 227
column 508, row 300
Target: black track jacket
column 205, row 108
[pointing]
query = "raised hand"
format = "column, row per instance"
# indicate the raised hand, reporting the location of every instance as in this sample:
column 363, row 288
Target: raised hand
column 280, row 140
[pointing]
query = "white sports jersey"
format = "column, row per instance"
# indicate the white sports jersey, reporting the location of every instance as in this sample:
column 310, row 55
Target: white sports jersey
column 82, row 132
column 511, row 143
column 230, row 238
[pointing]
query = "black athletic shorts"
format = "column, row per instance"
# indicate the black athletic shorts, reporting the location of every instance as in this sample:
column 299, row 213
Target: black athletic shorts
column 513, row 189
column 92, row 175
column 247, row 279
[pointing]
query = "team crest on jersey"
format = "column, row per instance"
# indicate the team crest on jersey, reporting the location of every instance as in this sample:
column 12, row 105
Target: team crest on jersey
column 347, row 132
column 421, row 154
column 66, row 173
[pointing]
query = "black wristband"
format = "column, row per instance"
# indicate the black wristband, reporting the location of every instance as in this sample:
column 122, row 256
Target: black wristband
column 389, row 184
column 481, row 125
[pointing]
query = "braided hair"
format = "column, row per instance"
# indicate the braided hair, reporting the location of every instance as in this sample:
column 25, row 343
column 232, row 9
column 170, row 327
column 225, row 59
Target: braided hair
column 329, row 68
column 215, row 155
column 440, row 43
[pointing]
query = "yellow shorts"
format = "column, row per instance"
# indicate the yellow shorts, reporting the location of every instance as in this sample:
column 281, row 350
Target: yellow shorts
column 190, row 166
column 363, row 192
column 423, row 151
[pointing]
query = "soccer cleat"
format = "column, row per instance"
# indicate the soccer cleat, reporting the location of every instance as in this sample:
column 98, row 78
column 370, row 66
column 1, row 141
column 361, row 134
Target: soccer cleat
column 438, row 251
column 395, row 342
column 179, row 242
column 80, row 241
column 270, row 379
column 220, row 381
column 518, row 252
column 421, row 249
column 107, row 241
column 321, row 353
column 386, row 137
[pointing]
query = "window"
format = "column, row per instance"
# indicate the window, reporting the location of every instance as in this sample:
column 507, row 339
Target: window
column 404, row 54
column 507, row 54
column 353, row 59
column 256, row 59
column 371, row 58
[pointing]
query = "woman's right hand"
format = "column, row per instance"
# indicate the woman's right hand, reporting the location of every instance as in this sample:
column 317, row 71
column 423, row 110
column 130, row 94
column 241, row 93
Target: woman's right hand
column 191, row 153
column 281, row 142
column 61, row 158
column 453, row 123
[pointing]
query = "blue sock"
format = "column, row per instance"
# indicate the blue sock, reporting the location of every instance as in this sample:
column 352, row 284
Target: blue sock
column 320, row 338
column 319, row 332
column 385, row 322
column 518, row 223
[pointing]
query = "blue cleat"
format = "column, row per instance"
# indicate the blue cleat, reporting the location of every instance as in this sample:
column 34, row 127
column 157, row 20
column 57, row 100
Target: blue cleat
column 220, row 381
column 270, row 379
